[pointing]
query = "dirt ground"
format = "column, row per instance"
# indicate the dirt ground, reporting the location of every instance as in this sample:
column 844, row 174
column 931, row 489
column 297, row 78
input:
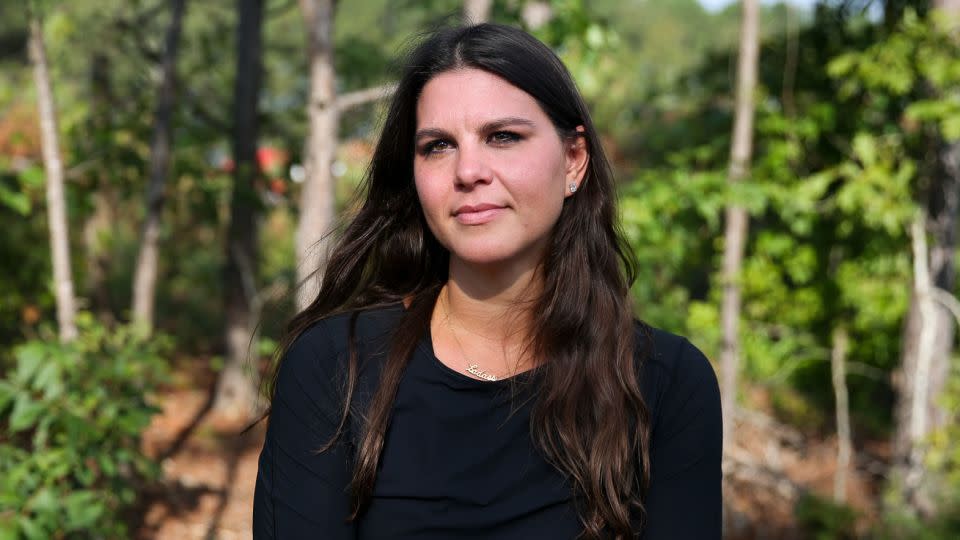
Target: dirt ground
column 207, row 491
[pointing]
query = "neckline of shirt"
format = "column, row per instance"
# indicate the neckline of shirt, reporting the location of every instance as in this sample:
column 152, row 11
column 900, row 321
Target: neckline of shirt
column 426, row 345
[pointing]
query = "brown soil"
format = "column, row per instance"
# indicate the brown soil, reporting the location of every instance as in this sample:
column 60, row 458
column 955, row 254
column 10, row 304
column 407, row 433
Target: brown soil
column 207, row 491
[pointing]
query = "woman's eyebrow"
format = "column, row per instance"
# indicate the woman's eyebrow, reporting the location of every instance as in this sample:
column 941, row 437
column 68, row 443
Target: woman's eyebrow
column 501, row 123
column 425, row 133
column 492, row 125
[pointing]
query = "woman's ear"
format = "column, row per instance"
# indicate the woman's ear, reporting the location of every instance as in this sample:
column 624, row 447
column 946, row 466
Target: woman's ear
column 578, row 157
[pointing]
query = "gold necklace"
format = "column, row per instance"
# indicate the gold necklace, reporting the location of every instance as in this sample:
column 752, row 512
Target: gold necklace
column 472, row 368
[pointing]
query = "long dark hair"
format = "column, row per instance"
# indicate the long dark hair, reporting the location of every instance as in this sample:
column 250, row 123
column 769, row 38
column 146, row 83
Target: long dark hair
column 589, row 419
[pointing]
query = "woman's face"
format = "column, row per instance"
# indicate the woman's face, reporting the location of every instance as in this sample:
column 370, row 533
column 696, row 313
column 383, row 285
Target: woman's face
column 490, row 169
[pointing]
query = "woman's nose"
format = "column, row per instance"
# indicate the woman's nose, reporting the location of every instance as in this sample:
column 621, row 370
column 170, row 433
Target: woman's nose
column 472, row 166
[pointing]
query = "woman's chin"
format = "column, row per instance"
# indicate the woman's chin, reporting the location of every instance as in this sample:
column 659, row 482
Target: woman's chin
column 494, row 257
column 481, row 258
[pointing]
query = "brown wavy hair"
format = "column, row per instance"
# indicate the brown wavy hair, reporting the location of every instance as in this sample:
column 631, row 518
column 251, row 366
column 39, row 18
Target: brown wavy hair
column 589, row 419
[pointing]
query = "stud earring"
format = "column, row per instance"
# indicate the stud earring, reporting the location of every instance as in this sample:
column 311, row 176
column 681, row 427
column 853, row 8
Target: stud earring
column 573, row 187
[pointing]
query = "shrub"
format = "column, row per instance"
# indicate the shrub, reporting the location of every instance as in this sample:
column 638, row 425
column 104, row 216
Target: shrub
column 824, row 519
column 71, row 416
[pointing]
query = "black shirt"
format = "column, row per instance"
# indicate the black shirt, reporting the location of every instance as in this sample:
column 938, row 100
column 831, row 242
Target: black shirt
column 456, row 463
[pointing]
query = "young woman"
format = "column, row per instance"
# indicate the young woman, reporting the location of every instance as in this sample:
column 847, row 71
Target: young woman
column 471, row 367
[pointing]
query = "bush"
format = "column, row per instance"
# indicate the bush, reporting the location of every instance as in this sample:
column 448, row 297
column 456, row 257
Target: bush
column 824, row 519
column 72, row 416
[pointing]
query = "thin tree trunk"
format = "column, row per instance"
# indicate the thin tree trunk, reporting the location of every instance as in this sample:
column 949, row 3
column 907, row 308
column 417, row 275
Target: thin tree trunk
column 476, row 11
column 236, row 389
column 536, row 13
column 950, row 7
column 790, row 62
column 929, row 330
column 56, row 203
column 838, row 364
column 145, row 274
column 317, row 198
column 914, row 416
column 736, row 216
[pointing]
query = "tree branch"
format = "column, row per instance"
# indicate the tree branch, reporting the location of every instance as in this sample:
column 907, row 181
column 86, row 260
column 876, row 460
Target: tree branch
column 947, row 300
column 360, row 97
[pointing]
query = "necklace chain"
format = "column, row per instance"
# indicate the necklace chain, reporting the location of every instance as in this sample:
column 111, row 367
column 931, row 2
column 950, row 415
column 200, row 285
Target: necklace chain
column 472, row 368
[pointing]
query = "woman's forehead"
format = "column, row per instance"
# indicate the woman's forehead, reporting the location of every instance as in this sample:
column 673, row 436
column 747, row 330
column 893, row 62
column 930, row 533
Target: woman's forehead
column 473, row 96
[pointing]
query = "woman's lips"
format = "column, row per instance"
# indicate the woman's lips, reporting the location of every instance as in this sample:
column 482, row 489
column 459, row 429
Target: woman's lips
column 477, row 215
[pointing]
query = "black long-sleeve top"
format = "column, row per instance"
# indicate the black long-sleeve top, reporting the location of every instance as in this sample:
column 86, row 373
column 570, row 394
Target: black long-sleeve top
column 456, row 463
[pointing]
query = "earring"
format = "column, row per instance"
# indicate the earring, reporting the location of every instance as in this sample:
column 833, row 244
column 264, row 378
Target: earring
column 573, row 187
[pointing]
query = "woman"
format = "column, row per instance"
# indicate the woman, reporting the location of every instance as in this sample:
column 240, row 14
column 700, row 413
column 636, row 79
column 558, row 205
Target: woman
column 471, row 367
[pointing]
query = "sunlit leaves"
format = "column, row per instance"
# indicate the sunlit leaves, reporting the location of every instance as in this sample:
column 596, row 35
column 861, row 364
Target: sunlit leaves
column 920, row 62
column 73, row 414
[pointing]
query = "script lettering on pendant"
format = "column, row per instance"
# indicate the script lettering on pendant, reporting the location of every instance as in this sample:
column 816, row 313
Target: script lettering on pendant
column 475, row 370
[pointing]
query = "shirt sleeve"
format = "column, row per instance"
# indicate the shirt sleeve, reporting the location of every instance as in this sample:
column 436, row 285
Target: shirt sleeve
column 684, row 498
column 301, row 492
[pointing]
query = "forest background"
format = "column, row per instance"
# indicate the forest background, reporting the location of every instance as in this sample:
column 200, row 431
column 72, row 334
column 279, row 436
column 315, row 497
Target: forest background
column 166, row 166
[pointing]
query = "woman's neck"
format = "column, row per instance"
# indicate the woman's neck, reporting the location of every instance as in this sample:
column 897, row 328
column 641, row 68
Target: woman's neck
column 493, row 304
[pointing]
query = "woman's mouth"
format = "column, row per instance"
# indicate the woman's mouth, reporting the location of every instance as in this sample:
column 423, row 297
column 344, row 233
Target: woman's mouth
column 477, row 214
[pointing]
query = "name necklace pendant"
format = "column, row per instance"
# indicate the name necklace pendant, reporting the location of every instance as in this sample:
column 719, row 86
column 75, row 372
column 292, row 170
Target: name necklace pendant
column 475, row 370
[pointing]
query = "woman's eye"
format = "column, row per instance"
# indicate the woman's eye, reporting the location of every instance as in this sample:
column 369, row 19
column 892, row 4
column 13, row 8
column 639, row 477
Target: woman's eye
column 434, row 147
column 504, row 137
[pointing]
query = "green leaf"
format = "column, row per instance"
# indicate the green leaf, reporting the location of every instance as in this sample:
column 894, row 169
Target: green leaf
column 25, row 413
column 17, row 201
column 83, row 510
column 44, row 500
column 950, row 127
column 928, row 109
column 107, row 465
column 841, row 65
column 48, row 380
column 31, row 529
column 7, row 393
column 29, row 359
column 32, row 176
column 865, row 149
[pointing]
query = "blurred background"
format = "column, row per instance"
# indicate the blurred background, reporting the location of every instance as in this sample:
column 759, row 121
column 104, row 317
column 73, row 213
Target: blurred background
column 789, row 177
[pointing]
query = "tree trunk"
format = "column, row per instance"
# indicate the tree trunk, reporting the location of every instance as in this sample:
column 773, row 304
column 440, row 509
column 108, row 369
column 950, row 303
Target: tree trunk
column 476, row 11
column 536, row 13
column 56, row 202
column 838, row 364
column 735, row 235
column 317, row 198
column 236, row 389
column 929, row 329
column 145, row 274
column 917, row 412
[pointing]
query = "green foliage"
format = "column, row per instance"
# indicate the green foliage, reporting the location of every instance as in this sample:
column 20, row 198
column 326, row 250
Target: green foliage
column 71, row 417
column 944, row 453
column 821, row 519
column 670, row 219
column 837, row 168
column 919, row 63
column 901, row 524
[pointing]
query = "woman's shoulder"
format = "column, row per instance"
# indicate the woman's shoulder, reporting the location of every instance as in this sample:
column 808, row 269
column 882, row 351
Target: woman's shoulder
column 335, row 332
column 673, row 367
column 324, row 345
